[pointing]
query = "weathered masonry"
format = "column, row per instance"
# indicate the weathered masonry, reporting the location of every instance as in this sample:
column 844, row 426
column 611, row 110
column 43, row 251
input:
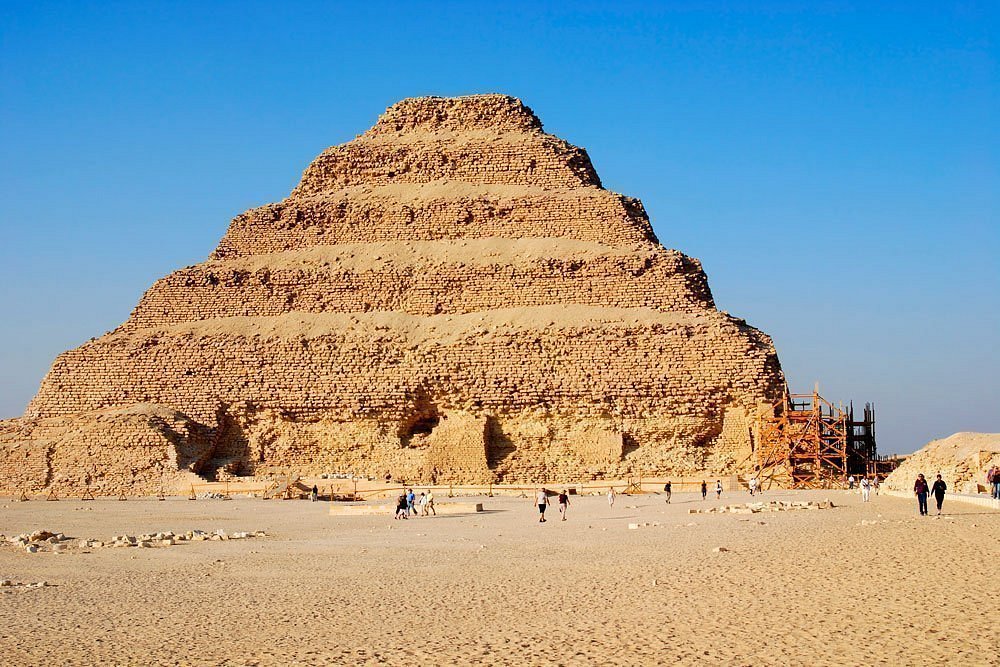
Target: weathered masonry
column 452, row 296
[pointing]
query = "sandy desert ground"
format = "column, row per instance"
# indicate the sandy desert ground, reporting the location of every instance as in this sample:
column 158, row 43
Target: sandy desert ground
column 858, row 584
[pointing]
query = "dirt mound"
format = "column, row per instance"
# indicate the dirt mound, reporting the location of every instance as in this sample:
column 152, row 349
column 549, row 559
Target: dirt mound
column 962, row 460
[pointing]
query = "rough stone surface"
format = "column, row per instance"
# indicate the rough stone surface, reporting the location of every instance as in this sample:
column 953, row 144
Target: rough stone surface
column 452, row 296
column 963, row 460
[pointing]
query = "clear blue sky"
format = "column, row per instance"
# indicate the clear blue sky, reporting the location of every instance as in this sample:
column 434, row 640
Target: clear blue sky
column 834, row 167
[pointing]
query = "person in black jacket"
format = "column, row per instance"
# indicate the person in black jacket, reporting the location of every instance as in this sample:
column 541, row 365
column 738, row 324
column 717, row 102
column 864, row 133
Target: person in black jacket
column 401, row 507
column 938, row 490
column 920, row 491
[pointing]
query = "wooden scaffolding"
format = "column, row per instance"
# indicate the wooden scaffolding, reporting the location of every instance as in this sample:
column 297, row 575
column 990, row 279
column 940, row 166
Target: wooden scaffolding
column 805, row 442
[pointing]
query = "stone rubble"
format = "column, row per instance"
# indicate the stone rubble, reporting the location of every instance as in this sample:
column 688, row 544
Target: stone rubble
column 45, row 541
column 11, row 585
column 773, row 506
column 645, row 524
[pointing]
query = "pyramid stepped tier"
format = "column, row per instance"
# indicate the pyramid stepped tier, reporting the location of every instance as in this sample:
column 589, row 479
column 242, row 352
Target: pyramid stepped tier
column 503, row 359
column 428, row 278
column 363, row 214
column 450, row 297
column 507, row 159
column 423, row 140
column 495, row 113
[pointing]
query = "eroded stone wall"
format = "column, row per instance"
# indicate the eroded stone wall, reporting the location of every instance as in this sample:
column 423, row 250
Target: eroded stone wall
column 138, row 450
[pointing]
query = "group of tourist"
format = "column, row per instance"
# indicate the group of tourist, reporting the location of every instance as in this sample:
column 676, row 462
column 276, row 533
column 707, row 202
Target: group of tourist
column 921, row 490
column 668, row 487
column 993, row 482
column 408, row 504
column 542, row 499
column 865, row 485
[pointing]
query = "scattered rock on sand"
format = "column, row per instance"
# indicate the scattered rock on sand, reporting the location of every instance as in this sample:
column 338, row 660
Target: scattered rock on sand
column 773, row 506
column 48, row 541
column 8, row 583
column 40, row 536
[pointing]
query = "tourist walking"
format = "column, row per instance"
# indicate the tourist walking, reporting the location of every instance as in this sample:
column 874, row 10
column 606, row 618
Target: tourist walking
column 752, row 484
column 314, row 493
column 401, row 507
column 938, row 490
column 920, row 490
column 704, row 490
column 611, row 497
column 411, row 500
column 850, row 483
column 875, row 483
column 563, row 503
column 667, row 490
column 428, row 501
column 542, row 498
column 866, row 489
column 718, row 489
column 993, row 480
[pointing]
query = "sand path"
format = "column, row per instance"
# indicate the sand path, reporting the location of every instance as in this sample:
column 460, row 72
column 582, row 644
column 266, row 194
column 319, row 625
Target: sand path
column 804, row 587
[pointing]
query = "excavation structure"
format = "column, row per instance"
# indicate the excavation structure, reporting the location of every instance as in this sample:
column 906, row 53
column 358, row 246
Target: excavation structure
column 803, row 441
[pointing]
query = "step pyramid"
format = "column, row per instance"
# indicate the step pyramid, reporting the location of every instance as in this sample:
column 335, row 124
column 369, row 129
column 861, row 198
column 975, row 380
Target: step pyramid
column 452, row 296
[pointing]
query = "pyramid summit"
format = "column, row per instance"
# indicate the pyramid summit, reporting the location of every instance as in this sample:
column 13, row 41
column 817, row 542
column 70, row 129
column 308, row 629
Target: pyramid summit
column 452, row 296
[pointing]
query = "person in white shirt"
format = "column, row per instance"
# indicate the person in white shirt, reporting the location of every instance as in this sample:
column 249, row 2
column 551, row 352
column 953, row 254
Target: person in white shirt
column 611, row 497
column 866, row 489
column 542, row 498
